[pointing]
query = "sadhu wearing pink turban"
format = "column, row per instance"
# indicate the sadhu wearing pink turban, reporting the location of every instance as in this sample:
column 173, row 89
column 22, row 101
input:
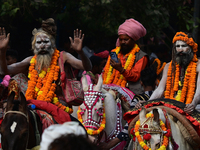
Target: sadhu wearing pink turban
column 131, row 60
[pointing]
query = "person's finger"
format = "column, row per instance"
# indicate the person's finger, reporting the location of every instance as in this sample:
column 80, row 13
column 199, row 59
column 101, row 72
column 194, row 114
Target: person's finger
column 70, row 39
column 188, row 109
column 4, row 31
column 80, row 32
column 8, row 36
column 0, row 31
column 82, row 36
column 76, row 32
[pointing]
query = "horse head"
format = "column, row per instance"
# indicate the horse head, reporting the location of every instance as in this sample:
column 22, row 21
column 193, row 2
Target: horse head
column 151, row 125
column 96, row 102
column 14, row 127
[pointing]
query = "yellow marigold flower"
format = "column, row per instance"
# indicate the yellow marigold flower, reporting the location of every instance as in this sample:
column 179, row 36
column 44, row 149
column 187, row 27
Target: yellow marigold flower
column 40, row 92
column 55, row 100
column 137, row 133
column 37, row 89
column 142, row 144
column 29, row 75
column 89, row 131
column 104, row 115
column 42, row 74
column 148, row 115
column 67, row 109
column 162, row 148
column 138, row 122
column 32, row 60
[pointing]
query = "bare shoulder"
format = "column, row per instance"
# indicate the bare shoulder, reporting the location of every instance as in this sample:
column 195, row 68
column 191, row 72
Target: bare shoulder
column 167, row 66
column 198, row 66
column 27, row 59
column 67, row 56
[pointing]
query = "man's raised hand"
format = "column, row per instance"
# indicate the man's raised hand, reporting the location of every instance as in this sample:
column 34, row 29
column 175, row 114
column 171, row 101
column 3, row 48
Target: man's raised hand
column 76, row 43
column 4, row 39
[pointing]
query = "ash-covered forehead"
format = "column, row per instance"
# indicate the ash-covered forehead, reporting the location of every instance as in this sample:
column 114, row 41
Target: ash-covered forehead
column 179, row 42
column 42, row 36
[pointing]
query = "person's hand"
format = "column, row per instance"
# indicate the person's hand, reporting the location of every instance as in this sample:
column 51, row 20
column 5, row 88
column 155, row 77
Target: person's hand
column 103, row 146
column 139, row 104
column 189, row 108
column 76, row 44
column 4, row 39
column 95, row 79
column 117, row 66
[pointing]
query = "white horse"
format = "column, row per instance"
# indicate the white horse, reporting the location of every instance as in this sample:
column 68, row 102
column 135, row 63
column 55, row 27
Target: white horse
column 153, row 127
column 98, row 101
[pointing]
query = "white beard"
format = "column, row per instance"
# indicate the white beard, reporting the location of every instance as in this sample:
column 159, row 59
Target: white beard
column 43, row 60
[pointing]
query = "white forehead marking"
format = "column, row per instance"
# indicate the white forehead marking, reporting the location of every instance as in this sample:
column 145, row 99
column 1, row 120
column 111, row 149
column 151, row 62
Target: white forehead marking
column 13, row 126
column 179, row 42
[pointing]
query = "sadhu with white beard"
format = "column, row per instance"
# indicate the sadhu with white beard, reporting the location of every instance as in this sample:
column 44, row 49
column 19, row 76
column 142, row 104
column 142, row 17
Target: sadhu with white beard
column 44, row 70
column 181, row 77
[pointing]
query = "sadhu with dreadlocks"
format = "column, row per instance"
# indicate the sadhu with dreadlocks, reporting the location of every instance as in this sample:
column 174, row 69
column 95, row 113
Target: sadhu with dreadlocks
column 181, row 78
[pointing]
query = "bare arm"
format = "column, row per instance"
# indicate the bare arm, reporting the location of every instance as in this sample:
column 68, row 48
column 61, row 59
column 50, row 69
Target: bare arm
column 73, row 61
column 76, row 44
column 20, row 67
column 158, row 93
column 196, row 99
column 4, row 40
column 107, row 146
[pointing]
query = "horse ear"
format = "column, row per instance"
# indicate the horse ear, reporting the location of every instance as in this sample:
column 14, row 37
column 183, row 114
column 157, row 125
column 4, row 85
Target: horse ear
column 10, row 101
column 23, row 101
column 84, row 83
column 98, row 87
column 156, row 115
column 142, row 115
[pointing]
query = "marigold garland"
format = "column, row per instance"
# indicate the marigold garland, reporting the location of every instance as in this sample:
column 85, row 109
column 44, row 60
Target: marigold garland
column 159, row 67
column 142, row 143
column 112, row 75
column 102, row 125
column 42, row 87
column 187, row 93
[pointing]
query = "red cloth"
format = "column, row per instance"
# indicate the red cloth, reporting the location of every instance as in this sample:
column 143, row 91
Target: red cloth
column 1, row 119
column 103, row 54
column 130, row 115
column 58, row 114
column 134, row 74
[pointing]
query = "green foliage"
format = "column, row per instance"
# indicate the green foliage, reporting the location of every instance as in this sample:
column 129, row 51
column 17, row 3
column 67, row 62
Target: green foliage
column 101, row 17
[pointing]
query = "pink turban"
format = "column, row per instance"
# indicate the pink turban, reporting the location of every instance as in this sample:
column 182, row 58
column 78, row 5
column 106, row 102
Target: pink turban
column 132, row 28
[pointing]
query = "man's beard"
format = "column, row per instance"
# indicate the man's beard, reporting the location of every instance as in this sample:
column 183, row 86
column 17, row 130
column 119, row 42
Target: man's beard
column 184, row 58
column 43, row 60
column 124, row 49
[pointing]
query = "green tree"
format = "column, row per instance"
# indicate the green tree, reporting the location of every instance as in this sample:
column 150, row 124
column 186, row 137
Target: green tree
column 101, row 18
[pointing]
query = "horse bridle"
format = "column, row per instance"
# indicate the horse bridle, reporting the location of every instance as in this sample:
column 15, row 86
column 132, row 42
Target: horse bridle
column 17, row 112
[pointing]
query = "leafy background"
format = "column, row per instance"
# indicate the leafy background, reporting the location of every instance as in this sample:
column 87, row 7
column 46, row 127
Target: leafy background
column 99, row 20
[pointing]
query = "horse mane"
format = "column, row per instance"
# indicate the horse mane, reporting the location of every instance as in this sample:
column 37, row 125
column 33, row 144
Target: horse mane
column 16, row 105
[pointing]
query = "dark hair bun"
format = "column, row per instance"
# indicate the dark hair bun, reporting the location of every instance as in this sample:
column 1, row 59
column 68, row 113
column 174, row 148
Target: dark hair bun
column 49, row 26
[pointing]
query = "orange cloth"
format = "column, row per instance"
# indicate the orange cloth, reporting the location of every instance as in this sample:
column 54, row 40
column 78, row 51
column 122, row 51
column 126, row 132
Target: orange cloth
column 134, row 73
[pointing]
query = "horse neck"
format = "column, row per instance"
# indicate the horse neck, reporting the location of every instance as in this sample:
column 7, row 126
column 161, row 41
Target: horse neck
column 35, row 129
column 111, row 111
column 178, row 137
